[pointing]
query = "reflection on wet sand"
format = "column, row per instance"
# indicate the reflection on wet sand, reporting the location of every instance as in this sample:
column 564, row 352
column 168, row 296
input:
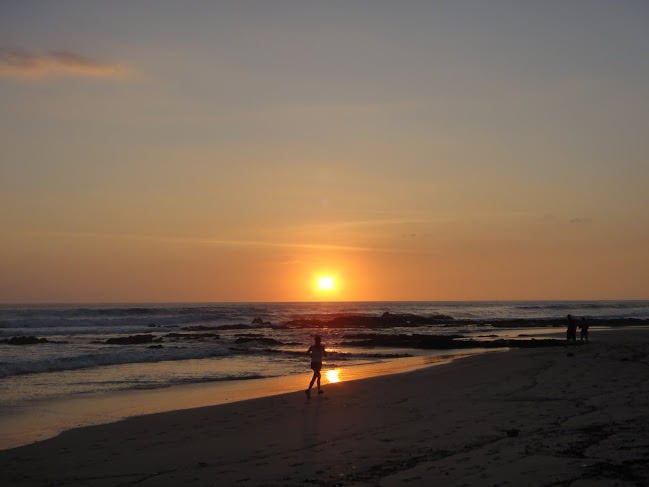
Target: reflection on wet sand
column 405, row 364
column 333, row 375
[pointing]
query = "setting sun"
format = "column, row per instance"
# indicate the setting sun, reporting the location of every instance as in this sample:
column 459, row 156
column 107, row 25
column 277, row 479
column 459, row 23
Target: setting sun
column 326, row 283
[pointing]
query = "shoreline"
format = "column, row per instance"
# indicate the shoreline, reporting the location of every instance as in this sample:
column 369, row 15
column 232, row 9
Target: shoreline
column 45, row 419
column 558, row 415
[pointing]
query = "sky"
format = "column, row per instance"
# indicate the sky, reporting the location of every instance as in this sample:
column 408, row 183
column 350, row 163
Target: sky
column 203, row 151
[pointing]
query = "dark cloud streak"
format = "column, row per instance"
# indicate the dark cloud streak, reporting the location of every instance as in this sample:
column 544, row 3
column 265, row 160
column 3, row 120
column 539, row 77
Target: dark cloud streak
column 22, row 63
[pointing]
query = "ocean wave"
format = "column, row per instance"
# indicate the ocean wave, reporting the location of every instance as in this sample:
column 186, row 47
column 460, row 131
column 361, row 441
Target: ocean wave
column 79, row 330
column 107, row 357
column 158, row 316
column 278, row 314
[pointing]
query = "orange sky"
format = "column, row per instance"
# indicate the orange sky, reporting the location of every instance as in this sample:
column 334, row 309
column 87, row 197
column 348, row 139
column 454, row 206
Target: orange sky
column 235, row 152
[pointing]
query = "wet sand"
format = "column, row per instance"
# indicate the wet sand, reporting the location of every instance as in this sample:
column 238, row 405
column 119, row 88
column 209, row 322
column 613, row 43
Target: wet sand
column 575, row 415
column 40, row 420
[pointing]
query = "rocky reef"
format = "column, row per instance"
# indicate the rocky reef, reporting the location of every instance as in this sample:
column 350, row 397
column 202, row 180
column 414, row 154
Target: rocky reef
column 386, row 320
column 24, row 340
column 442, row 342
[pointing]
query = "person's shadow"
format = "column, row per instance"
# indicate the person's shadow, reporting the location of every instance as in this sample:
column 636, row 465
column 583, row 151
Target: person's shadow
column 310, row 437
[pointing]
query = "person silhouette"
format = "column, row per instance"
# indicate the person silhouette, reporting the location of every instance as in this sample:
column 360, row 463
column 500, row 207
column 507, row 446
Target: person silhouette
column 571, row 331
column 317, row 352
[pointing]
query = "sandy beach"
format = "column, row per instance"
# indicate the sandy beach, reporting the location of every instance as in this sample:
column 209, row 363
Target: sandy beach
column 576, row 415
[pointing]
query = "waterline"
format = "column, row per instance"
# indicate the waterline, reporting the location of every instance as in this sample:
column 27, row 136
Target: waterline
column 40, row 420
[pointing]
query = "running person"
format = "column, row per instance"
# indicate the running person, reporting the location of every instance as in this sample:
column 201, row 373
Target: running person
column 317, row 352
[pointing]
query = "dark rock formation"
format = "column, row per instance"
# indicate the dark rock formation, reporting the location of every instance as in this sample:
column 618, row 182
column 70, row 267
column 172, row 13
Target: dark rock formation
column 386, row 320
column 131, row 340
column 441, row 342
column 24, row 340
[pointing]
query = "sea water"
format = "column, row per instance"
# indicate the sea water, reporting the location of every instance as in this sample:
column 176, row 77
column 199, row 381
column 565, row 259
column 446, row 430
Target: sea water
column 77, row 358
column 229, row 344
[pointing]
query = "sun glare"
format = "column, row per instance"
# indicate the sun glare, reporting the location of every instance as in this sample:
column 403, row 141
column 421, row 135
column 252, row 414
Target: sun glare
column 332, row 375
column 326, row 283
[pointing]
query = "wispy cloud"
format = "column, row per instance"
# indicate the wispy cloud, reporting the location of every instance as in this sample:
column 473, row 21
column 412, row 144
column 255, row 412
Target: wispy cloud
column 214, row 241
column 22, row 63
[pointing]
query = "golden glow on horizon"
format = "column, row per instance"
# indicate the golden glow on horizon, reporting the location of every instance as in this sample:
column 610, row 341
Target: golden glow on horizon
column 333, row 375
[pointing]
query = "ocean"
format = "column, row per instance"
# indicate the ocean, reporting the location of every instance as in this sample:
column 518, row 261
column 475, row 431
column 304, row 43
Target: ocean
column 54, row 352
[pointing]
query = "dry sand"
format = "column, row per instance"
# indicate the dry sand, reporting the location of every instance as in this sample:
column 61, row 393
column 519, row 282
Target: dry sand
column 575, row 416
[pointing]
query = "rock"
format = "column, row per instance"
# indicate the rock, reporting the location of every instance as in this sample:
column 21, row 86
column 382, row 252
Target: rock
column 24, row 340
column 441, row 342
column 130, row 340
column 386, row 320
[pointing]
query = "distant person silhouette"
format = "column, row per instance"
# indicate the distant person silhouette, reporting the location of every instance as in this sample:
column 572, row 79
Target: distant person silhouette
column 317, row 352
column 571, row 331
column 583, row 326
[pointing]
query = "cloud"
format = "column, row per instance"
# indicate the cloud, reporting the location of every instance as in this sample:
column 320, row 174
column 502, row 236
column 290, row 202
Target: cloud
column 213, row 241
column 21, row 63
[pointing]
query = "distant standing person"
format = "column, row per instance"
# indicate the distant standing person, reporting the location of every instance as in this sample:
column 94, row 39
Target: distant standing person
column 583, row 326
column 317, row 352
column 571, row 332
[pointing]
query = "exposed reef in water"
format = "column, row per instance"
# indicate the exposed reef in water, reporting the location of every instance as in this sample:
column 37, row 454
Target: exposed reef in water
column 554, row 322
column 391, row 320
column 24, row 340
column 386, row 320
column 132, row 340
column 441, row 342
column 254, row 325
